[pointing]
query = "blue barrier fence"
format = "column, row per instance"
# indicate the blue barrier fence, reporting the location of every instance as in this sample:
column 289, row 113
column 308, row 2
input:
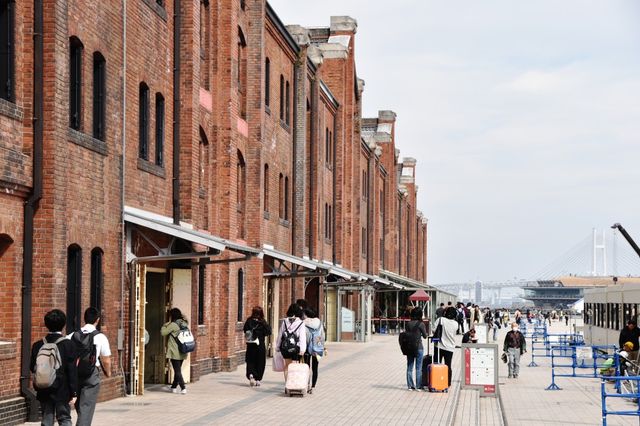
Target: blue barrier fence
column 575, row 357
column 634, row 396
column 541, row 343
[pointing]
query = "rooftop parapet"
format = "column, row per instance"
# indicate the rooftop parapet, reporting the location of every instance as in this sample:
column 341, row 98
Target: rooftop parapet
column 343, row 24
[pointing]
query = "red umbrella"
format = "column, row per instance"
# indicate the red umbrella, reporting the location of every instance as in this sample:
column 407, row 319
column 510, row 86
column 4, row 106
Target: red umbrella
column 419, row 296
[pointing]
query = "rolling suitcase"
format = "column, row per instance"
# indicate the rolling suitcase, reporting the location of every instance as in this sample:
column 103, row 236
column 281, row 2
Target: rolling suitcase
column 297, row 379
column 426, row 362
column 438, row 378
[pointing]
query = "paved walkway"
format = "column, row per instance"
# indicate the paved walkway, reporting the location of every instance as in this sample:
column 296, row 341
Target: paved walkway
column 365, row 384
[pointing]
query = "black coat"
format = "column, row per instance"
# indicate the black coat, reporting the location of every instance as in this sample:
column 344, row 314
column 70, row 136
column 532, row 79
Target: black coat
column 632, row 336
column 66, row 385
column 260, row 329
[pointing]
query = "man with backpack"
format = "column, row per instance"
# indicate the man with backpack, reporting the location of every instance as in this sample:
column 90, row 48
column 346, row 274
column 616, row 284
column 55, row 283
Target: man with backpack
column 53, row 364
column 94, row 355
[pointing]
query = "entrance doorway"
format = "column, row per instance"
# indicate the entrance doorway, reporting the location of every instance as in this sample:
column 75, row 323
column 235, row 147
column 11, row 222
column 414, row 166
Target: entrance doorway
column 272, row 311
column 155, row 316
column 312, row 294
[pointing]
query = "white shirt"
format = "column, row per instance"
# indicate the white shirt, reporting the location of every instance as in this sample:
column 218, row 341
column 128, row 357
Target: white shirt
column 99, row 340
column 449, row 329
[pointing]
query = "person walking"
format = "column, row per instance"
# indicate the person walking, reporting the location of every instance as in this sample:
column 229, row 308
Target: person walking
column 416, row 326
column 171, row 328
column 56, row 400
column 514, row 346
column 294, row 326
column 440, row 310
column 89, row 377
column 315, row 344
column 447, row 344
column 256, row 329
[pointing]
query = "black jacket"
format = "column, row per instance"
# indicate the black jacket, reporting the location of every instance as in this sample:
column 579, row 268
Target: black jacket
column 260, row 329
column 515, row 339
column 627, row 335
column 66, row 385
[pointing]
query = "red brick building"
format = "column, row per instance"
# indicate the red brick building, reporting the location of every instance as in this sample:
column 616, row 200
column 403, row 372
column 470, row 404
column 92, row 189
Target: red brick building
column 199, row 155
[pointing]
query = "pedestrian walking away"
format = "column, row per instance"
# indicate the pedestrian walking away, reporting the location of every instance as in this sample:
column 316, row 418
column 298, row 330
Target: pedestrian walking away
column 171, row 329
column 55, row 377
column 292, row 337
column 94, row 358
column 315, row 344
column 414, row 350
column 447, row 344
column 514, row 346
column 256, row 329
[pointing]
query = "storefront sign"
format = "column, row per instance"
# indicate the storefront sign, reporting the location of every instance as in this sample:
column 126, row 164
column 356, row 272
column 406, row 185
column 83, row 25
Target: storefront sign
column 347, row 320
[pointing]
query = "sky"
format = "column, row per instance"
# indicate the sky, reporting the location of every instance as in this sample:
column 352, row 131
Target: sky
column 524, row 118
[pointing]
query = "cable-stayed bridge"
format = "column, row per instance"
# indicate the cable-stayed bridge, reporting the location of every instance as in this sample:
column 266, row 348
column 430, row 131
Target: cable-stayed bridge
column 599, row 254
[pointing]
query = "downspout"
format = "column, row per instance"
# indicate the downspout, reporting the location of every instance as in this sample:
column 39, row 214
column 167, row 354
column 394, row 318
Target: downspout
column 294, row 181
column 313, row 156
column 30, row 207
column 400, row 236
column 123, row 176
column 176, row 112
column 333, row 179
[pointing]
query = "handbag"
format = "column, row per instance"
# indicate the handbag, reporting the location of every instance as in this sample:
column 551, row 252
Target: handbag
column 277, row 362
column 504, row 357
column 437, row 334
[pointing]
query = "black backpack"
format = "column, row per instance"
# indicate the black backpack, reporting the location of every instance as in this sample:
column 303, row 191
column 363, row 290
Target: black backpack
column 86, row 351
column 289, row 343
column 410, row 341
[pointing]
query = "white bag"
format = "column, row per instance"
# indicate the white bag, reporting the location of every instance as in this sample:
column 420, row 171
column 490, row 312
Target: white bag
column 277, row 362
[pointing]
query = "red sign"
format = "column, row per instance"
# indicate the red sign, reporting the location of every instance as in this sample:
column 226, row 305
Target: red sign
column 467, row 363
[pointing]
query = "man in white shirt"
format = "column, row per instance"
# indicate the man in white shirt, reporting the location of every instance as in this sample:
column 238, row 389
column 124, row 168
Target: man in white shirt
column 89, row 387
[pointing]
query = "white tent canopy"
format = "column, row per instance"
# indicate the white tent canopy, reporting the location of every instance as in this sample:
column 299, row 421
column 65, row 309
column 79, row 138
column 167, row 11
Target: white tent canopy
column 579, row 305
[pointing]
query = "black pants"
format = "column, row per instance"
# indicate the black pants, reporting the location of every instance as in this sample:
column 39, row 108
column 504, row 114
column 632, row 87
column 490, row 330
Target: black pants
column 447, row 356
column 255, row 358
column 312, row 362
column 177, row 373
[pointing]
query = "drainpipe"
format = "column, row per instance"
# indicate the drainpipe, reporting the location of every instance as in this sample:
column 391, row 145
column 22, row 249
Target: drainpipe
column 313, row 155
column 176, row 112
column 123, row 176
column 30, row 208
column 333, row 182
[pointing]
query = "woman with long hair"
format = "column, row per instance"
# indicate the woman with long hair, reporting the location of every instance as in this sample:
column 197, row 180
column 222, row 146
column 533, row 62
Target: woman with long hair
column 256, row 329
column 294, row 325
column 171, row 328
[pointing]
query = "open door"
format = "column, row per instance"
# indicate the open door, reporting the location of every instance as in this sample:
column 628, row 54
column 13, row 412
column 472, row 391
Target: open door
column 155, row 316
column 272, row 311
column 181, row 299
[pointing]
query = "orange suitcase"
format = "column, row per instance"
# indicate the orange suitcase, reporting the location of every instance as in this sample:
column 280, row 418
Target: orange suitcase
column 438, row 378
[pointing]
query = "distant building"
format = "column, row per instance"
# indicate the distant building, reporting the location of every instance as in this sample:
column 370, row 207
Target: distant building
column 478, row 299
column 563, row 291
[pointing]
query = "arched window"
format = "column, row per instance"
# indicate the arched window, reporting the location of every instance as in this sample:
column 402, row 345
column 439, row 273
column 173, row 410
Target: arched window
column 75, row 83
column 74, row 287
column 203, row 162
column 97, row 278
column 143, row 121
column 240, row 295
column 99, row 95
column 7, row 49
column 281, row 97
column 241, row 181
column 159, row 129
column 286, row 198
column 242, row 73
column 281, row 196
column 205, row 40
column 265, row 189
column 267, row 82
column 287, row 109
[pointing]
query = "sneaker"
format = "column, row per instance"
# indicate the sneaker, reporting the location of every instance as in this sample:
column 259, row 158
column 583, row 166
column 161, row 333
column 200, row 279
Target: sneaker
column 174, row 390
column 183, row 391
column 257, row 383
column 411, row 389
column 252, row 381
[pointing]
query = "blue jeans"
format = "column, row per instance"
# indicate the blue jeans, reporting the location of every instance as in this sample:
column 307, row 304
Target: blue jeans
column 417, row 360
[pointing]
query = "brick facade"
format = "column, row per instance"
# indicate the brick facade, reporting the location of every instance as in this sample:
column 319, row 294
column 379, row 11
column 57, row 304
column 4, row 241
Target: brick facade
column 280, row 159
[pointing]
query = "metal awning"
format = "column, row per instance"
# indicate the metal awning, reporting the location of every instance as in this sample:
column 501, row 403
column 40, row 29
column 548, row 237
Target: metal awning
column 405, row 282
column 288, row 265
column 165, row 225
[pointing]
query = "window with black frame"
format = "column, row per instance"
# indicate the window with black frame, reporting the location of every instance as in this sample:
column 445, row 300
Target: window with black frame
column 75, row 83
column 7, row 49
